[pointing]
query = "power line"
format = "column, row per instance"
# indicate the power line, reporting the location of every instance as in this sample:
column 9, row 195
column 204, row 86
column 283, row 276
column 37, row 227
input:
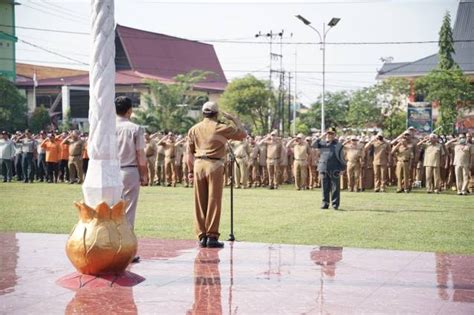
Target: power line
column 233, row 41
column 51, row 13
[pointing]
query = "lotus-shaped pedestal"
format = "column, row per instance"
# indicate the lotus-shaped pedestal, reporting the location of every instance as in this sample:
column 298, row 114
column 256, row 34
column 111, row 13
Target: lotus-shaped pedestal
column 102, row 242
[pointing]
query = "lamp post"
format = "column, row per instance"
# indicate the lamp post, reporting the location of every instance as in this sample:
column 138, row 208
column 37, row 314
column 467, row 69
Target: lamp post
column 333, row 22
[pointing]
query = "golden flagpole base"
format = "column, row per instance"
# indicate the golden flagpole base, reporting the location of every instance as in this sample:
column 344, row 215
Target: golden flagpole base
column 102, row 242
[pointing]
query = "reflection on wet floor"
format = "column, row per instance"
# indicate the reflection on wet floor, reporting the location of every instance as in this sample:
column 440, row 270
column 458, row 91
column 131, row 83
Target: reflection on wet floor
column 242, row 278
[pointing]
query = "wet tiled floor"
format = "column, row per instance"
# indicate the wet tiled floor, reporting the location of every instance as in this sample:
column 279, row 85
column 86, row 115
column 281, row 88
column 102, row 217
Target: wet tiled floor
column 246, row 278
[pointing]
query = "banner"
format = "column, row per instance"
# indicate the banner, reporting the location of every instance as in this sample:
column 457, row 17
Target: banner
column 420, row 116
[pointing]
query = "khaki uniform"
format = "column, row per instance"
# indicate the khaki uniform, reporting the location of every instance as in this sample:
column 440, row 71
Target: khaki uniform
column 150, row 153
column 75, row 161
column 300, row 164
column 273, row 162
column 284, row 176
column 160, row 165
column 254, row 167
column 207, row 141
column 354, row 155
column 380, row 163
column 187, row 181
column 432, row 163
column 170, row 165
column 313, row 168
column 130, row 139
column 179, row 152
column 262, row 160
column 242, row 155
column 403, row 154
column 462, row 159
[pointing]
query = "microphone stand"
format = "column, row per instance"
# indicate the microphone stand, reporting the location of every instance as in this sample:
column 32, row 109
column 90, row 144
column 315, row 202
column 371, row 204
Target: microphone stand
column 231, row 176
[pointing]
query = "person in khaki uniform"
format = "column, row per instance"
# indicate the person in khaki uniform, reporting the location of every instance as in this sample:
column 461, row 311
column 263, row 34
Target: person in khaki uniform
column 150, row 153
column 301, row 151
column 262, row 161
column 207, row 144
column 186, row 179
column 403, row 154
column 179, row 152
column 432, row 162
column 284, row 175
column 274, row 149
column 242, row 153
column 381, row 156
column 75, row 163
column 254, row 167
column 169, row 145
column 160, row 160
column 354, row 154
column 313, row 161
column 463, row 152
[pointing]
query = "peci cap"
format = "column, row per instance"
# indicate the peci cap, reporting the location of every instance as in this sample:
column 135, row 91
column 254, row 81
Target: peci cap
column 210, row 107
column 331, row 130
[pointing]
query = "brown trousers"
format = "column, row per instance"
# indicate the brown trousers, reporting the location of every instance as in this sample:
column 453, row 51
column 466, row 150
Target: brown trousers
column 380, row 177
column 353, row 176
column 150, row 164
column 314, row 176
column 160, row 171
column 241, row 173
column 273, row 167
column 462, row 178
column 432, row 178
column 403, row 175
column 254, row 174
column 300, row 171
column 170, row 171
column 263, row 175
column 208, row 187
column 75, row 169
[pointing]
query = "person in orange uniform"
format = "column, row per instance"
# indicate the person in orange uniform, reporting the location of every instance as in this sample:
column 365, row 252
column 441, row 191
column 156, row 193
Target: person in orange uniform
column 63, row 169
column 53, row 153
column 207, row 149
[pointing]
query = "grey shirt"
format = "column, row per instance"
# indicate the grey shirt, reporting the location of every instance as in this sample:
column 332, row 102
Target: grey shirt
column 7, row 149
column 130, row 139
column 28, row 145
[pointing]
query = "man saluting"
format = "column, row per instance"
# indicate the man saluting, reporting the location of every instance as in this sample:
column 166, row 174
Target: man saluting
column 207, row 148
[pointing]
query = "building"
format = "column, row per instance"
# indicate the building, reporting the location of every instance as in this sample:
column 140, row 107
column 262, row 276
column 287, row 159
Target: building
column 7, row 39
column 463, row 35
column 139, row 55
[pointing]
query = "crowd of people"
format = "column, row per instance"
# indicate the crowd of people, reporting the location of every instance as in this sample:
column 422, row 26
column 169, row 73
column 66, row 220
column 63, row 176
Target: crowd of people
column 51, row 157
column 373, row 162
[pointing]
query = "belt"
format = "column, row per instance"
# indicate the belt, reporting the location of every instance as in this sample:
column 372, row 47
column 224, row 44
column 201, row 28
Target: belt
column 301, row 159
column 207, row 158
column 128, row 166
column 404, row 161
column 169, row 157
column 273, row 158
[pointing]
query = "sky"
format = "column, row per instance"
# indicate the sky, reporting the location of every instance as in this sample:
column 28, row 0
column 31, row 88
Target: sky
column 231, row 27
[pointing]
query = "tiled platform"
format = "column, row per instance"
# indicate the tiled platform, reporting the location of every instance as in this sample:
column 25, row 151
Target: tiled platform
column 246, row 278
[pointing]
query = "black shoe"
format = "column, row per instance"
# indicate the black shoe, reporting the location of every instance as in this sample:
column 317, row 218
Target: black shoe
column 136, row 259
column 203, row 242
column 325, row 207
column 212, row 242
column 335, row 207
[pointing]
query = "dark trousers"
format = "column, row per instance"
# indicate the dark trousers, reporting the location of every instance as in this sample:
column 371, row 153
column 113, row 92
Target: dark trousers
column 85, row 165
column 27, row 166
column 6, row 166
column 41, row 166
column 52, row 171
column 63, row 170
column 18, row 168
column 330, row 183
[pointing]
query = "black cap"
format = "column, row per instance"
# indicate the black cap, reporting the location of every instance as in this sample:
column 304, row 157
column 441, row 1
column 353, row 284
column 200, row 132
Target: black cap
column 331, row 130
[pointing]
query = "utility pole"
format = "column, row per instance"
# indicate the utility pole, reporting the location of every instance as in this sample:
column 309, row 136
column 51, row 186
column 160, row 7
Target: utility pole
column 289, row 103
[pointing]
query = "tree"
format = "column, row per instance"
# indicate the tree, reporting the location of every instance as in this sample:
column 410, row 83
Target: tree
column 391, row 95
column 363, row 109
column 251, row 99
column 167, row 105
column 13, row 109
column 39, row 119
column 446, row 44
column 446, row 85
column 335, row 111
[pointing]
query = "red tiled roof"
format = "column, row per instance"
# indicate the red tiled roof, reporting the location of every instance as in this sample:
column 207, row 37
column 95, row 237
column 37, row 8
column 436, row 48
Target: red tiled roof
column 167, row 56
column 157, row 57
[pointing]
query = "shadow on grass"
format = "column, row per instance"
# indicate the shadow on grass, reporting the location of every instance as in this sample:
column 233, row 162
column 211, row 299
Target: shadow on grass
column 388, row 211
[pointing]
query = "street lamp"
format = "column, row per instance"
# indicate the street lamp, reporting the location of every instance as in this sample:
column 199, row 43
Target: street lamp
column 333, row 22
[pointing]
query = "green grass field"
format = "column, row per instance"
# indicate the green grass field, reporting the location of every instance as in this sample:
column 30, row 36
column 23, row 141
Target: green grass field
column 415, row 221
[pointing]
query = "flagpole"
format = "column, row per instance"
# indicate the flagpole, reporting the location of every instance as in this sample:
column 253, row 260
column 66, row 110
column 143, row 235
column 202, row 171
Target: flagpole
column 35, row 83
